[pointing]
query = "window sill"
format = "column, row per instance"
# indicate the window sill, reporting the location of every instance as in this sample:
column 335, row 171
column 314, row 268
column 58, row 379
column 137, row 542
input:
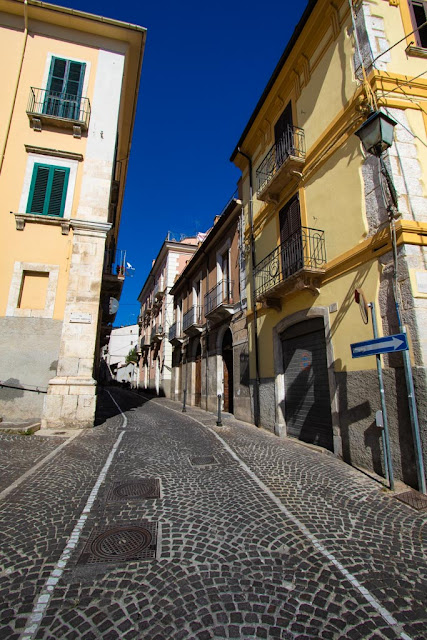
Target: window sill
column 22, row 218
column 418, row 52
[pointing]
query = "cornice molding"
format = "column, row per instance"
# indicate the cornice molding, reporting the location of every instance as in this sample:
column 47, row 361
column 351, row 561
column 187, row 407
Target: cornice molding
column 90, row 227
column 56, row 153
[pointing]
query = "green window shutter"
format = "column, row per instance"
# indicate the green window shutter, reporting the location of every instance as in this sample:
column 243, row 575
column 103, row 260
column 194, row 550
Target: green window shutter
column 48, row 190
column 38, row 189
column 58, row 192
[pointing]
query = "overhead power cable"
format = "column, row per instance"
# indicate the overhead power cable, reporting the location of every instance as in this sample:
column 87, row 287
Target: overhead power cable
column 399, row 41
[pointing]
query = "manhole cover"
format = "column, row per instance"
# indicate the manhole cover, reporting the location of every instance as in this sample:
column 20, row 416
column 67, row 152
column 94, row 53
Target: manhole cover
column 200, row 461
column 414, row 499
column 142, row 488
column 121, row 543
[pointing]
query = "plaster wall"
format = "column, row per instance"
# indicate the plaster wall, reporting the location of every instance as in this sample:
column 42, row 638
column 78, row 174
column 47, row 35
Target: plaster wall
column 29, row 348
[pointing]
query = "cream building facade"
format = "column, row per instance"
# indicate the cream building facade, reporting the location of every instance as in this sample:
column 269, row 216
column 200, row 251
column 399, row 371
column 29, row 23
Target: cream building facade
column 67, row 114
column 156, row 315
column 321, row 227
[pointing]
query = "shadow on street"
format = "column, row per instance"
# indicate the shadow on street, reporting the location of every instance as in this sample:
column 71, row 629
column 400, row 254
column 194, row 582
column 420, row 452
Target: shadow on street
column 106, row 408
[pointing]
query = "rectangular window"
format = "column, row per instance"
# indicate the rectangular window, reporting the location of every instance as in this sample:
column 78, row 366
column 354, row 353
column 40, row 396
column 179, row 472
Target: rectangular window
column 48, row 190
column 34, row 288
column 64, row 89
column 418, row 9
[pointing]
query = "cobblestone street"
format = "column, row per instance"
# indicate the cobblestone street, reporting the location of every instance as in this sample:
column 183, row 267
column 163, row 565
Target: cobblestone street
column 252, row 536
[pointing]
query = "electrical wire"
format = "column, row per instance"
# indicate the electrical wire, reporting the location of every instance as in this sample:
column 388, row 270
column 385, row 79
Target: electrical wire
column 414, row 135
column 399, row 41
column 399, row 86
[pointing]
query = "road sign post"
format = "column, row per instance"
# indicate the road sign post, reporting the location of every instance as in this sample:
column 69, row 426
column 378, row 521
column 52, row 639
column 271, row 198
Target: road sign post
column 375, row 347
column 386, row 344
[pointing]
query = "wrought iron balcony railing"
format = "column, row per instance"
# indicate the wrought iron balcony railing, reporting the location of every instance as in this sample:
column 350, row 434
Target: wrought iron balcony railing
column 115, row 262
column 192, row 317
column 221, row 293
column 303, row 250
column 175, row 331
column 63, row 106
column 292, row 143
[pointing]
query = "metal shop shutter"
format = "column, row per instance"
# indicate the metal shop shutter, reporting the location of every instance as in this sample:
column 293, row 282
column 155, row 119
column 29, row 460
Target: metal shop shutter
column 307, row 399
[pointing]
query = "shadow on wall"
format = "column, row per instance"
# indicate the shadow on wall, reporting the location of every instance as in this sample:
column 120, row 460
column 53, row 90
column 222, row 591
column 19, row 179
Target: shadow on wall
column 361, row 438
column 11, row 389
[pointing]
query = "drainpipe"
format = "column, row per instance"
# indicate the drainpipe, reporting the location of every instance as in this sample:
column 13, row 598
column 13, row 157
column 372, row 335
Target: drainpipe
column 251, row 222
column 9, row 124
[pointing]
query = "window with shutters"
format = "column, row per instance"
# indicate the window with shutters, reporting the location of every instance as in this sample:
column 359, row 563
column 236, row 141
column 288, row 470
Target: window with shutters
column 418, row 9
column 61, row 102
column 64, row 89
column 48, row 190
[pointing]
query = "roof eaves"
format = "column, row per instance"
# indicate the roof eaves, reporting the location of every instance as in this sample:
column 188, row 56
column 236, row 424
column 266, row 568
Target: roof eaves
column 285, row 55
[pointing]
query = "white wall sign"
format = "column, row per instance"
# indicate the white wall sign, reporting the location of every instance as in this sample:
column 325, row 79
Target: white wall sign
column 83, row 318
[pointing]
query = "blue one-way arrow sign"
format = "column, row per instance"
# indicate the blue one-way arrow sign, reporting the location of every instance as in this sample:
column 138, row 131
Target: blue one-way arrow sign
column 386, row 344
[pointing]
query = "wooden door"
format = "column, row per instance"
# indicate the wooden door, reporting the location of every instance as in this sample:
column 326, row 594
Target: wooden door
column 227, row 364
column 198, row 381
column 291, row 237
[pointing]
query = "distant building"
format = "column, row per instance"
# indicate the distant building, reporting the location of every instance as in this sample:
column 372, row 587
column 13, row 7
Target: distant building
column 156, row 315
column 68, row 102
column 122, row 341
column 209, row 332
column 324, row 227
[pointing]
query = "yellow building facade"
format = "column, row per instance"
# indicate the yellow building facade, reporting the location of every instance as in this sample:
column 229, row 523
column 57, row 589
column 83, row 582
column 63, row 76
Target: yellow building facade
column 319, row 231
column 67, row 113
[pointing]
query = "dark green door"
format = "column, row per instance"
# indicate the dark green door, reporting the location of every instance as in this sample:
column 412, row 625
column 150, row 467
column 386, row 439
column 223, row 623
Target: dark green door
column 64, row 89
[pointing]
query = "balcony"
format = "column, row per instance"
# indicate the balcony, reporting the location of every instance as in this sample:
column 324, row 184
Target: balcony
column 157, row 333
column 59, row 110
column 219, row 301
column 295, row 265
column 145, row 342
column 284, row 160
column 159, row 291
column 114, row 271
column 192, row 323
column 175, row 334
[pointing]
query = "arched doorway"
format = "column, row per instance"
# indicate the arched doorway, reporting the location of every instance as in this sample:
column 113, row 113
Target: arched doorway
column 307, row 397
column 227, row 366
column 198, row 377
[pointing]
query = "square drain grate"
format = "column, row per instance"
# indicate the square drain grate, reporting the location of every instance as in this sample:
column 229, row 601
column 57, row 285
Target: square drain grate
column 121, row 543
column 143, row 488
column 202, row 461
column 414, row 499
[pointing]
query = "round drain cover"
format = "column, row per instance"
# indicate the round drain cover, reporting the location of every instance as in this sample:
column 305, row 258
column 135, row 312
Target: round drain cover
column 121, row 543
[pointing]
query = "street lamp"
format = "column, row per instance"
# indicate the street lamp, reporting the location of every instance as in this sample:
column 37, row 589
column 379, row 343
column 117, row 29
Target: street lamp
column 376, row 133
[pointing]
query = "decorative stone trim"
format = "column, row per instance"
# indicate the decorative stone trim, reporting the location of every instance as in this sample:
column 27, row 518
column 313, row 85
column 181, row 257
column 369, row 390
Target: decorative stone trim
column 90, row 227
column 56, row 153
column 22, row 218
column 15, row 290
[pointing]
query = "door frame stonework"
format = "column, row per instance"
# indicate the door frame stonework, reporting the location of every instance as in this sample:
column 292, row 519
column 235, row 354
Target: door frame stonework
column 219, row 359
column 279, row 374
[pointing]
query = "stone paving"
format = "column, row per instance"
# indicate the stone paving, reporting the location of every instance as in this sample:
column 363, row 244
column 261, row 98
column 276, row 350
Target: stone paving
column 233, row 563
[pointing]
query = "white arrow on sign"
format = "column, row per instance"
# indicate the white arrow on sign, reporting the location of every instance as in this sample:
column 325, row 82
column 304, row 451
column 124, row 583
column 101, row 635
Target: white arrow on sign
column 394, row 343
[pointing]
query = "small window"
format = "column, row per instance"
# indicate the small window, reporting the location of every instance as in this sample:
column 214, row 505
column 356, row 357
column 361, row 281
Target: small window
column 48, row 190
column 418, row 10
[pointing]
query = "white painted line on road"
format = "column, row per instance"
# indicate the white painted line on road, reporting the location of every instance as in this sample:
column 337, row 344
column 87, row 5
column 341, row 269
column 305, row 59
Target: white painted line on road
column 37, row 466
column 36, row 617
column 386, row 615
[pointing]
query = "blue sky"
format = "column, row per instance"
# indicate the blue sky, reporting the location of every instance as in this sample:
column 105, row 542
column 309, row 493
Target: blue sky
column 205, row 67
